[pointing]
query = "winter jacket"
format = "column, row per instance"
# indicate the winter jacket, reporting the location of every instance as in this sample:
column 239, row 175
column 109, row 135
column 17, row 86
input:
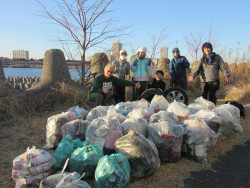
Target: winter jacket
column 210, row 71
column 157, row 84
column 177, row 68
column 121, row 68
column 141, row 69
column 100, row 82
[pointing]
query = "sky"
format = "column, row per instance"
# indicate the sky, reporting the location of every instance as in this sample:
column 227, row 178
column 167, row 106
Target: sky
column 23, row 27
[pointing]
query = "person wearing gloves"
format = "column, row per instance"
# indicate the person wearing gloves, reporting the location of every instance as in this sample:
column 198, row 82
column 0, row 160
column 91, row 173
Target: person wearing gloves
column 102, row 89
column 122, row 71
column 140, row 67
column 208, row 68
column 177, row 69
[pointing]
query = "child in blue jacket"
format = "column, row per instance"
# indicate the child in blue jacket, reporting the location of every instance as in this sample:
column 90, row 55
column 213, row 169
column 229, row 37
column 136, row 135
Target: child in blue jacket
column 140, row 67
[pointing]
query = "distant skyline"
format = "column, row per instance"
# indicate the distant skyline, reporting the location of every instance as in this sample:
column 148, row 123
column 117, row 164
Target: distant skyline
column 23, row 29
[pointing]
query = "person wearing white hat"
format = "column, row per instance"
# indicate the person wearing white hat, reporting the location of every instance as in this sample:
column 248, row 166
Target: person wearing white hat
column 122, row 71
column 140, row 68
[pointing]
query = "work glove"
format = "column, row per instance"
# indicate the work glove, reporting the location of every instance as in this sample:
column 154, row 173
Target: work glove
column 149, row 62
column 134, row 63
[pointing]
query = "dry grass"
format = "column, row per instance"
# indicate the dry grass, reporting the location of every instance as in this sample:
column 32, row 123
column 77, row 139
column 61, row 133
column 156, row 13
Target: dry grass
column 15, row 103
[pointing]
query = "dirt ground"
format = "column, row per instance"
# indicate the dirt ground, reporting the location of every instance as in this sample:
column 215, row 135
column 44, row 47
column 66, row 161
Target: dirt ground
column 16, row 136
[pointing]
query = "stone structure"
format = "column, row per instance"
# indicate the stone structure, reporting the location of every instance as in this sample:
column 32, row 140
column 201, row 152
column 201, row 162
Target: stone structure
column 163, row 52
column 2, row 76
column 163, row 65
column 98, row 62
column 116, row 47
column 54, row 70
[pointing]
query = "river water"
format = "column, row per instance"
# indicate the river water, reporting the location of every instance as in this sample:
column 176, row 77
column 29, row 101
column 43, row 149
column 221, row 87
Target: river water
column 33, row 72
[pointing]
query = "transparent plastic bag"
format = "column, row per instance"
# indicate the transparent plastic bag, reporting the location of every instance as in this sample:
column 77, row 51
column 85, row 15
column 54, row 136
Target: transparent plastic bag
column 209, row 105
column 142, row 104
column 64, row 150
column 104, row 131
column 75, row 128
column 195, row 107
column 167, row 139
column 72, row 180
column 164, row 116
column 157, row 104
column 85, row 159
column 125, row 107
column 139, row 124
column 31, row 166
column 179, row 109
column 212, row 119
column 139, row 113
column 52, row 180
column 113, row 115
column 54, row 128
column 112, row 171
column 141, row 153
column 196, row 138
column 96, row 112
column 229, row 123
column 79, row 113
column 32, row 157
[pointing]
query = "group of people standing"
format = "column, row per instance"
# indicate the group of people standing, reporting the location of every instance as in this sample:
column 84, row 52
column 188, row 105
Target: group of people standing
column 116, row 75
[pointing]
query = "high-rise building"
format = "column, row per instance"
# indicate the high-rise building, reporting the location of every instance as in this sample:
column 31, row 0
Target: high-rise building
column 116, row 47
column 163, row 52
column 20, row 54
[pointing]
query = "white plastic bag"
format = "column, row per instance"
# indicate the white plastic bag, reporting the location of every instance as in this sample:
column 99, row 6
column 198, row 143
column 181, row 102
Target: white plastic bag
column 168, row 140
column 104, row 132
column 96, row 112
column 54, row 128
column 75, row 128
column 229, row 123
column 157, row 104
column 179, row 109
column 113, row 115
column 197, row 135
column 195, row 107
column 139, row 124
column 80, row 113
column 164, row 116
column 209, row 105
column 139, row 113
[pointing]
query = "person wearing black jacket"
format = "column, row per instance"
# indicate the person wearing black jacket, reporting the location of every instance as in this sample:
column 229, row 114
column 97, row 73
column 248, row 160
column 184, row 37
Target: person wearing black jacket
column 157, row 81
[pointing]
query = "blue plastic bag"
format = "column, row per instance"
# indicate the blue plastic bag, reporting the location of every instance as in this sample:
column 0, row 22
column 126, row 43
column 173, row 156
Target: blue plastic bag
column 112, row 171
column 64, row 150
column 85, row 159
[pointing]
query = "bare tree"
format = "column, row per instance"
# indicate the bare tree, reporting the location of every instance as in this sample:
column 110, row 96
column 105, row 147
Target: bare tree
column 156, row 41
column 85, row 23
column 194, row 42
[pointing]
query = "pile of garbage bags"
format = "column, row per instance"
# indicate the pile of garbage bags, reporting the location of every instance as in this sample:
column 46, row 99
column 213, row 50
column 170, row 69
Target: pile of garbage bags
column 31, row 167
column 114, row 144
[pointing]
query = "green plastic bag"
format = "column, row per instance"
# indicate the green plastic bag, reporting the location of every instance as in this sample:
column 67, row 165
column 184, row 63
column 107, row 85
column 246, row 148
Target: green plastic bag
column 112, row 171
column 64, row 150
column 85, row 159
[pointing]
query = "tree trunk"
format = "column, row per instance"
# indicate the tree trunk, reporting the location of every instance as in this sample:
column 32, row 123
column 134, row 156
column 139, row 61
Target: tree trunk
column 83, row 67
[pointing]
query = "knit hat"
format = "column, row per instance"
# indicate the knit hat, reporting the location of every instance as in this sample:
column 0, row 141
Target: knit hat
column 207, row 45
column 123, row 51
column 175, row 49
column 142, row 49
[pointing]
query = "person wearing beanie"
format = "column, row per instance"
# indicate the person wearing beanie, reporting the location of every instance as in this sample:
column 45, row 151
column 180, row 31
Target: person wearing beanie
column 208, row 68
column 140, row 68
column 122, row 71
column 177, row 69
